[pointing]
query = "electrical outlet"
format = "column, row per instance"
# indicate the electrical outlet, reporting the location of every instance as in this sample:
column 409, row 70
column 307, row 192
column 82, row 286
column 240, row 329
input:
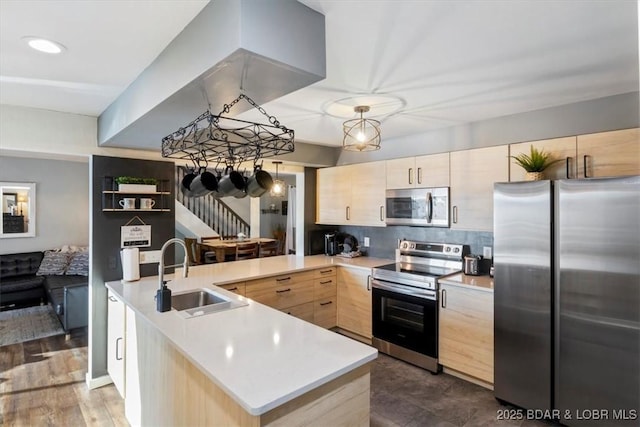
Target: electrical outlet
column 486, row 252
column 149, row 257
column 366, row 242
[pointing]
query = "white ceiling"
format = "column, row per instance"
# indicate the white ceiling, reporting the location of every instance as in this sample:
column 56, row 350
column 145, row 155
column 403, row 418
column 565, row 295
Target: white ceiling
column 421, row 65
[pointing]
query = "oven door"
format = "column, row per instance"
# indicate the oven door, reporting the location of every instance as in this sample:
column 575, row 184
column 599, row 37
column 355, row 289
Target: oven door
column 405, row 316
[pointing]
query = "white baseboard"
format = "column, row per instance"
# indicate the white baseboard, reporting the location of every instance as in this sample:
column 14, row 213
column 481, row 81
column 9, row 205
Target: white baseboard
column 97, row 382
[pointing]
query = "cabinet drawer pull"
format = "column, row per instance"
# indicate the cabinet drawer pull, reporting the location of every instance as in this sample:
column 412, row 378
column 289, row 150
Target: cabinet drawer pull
column 326, row 303
column 283, row 291
column 284, row 279
column 112, row 299
column 117, row 348
column 410, row 175
column 584, row 165
column 233, row 289
column 328, row 281
column 325, row 271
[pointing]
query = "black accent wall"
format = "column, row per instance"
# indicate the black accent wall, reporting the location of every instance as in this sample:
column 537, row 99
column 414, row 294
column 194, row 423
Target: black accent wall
column 105, row 240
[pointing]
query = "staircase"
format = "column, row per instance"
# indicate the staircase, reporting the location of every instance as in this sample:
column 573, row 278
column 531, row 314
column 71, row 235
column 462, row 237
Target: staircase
column 212, row 211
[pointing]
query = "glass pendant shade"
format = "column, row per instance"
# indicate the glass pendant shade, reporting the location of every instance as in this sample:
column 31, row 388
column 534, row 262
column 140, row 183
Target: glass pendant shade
column 361, row 134
column 279, row 187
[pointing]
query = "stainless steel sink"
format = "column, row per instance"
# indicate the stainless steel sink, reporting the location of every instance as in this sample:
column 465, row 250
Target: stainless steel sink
column 202, row 301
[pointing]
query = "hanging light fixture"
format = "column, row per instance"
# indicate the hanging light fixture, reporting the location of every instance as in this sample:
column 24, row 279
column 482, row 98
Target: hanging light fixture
column 279, row 187
column 361, row 134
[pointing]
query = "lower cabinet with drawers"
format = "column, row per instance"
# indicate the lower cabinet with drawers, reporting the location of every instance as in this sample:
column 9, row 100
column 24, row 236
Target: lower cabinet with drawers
column 309, row 295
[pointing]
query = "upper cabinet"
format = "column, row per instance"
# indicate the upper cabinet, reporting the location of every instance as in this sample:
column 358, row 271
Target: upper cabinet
column 563, row 149
column 418, row 172
column 615, row 153
column 473, row 173
column 351, row 195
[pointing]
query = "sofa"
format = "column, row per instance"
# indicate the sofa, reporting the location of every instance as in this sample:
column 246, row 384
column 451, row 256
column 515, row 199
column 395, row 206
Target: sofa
column 30, row 278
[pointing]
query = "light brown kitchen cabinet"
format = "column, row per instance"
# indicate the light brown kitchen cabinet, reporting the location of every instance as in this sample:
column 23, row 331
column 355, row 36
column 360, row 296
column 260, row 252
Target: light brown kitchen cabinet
column 466, row 331
column 282, row 292
column 354, row 301
column 563, row 149
column 605, row 154
column 351, row 195
column 473, row 173
column 325, row 299
column 418, row 172
column 615, row 153
column 236, row 288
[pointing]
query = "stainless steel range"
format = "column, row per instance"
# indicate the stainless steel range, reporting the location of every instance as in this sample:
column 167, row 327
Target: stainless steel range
column 405, row 300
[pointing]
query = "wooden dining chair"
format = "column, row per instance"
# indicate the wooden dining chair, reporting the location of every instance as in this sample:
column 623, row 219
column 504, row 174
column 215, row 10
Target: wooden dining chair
column 269, row 249
column 246, row 251
column 194, row 251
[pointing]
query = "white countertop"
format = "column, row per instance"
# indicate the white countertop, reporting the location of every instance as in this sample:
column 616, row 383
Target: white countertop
column 480, row 283
column 260, row 356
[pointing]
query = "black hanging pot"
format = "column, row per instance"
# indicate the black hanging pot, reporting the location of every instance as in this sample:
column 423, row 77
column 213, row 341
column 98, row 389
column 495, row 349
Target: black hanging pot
column 203, row 184
column 232, row 184
column 259, row 183
column 185, row 186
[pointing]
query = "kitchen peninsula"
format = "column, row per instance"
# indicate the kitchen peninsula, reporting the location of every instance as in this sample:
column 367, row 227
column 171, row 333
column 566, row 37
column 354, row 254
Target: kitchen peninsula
column 252, row 365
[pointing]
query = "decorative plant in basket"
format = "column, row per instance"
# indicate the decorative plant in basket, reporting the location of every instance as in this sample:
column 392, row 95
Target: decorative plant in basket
column 130, row 184
column 534, row 163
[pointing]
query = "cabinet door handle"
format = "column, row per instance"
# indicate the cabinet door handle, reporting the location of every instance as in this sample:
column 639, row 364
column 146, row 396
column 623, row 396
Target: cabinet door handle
column 283, row 291
column 381, row 213
column 118, row 348
column 419, row 175
column 326, row 303
column 284, row 279
column 568, row 163
column 455, row 214
column 328, row 281
column 325, row 271
column 348, row 213
column 233, row 289
column 443, row 299
column 112, row 299
column 584, row 165
column 410, row 175
column 369, row 282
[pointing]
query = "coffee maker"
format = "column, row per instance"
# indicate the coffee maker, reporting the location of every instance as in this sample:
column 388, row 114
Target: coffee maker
column 331, row 245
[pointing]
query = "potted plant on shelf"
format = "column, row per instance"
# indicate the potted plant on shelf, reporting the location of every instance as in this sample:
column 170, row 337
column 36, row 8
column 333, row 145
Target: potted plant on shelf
column 534, row 163
column 130, row 184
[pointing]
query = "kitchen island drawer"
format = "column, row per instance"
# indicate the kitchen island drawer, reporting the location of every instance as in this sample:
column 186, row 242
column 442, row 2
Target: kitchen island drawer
column 283, row 279
column 237, row 288
column 325, row 312
column 325, row 288
column 302, row 311
column 283, row 295
column 324, row 272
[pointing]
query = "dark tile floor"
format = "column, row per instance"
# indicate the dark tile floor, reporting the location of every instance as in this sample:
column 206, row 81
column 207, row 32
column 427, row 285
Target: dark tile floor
column 404, row 395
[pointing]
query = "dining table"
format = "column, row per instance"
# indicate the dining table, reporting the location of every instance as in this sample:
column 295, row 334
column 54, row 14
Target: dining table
column 228, row 246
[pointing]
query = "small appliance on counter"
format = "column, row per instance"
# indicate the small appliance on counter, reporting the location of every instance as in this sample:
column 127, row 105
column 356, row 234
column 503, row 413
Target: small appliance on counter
column 473, row 265
column 336, row 243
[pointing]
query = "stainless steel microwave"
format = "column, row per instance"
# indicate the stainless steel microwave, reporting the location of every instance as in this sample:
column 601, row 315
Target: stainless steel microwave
column 426, row 207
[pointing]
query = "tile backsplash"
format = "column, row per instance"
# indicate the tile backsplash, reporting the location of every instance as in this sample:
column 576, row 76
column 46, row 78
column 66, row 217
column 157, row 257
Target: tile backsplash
column 384, row 240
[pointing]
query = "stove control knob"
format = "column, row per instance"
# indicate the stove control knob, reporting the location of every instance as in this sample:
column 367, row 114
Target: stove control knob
column 447, row 249
column 413, row 246
column 404, row 245
column 456, row 250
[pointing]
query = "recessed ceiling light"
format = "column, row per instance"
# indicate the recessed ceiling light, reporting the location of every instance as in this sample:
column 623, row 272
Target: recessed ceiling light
column 44, row 45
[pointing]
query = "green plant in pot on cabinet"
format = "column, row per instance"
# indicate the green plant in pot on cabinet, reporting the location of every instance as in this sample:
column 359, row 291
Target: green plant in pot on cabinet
column 534, row 163
column 130, row 184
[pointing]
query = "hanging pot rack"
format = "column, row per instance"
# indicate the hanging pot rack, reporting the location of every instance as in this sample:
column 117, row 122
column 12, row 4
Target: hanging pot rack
column 222, row 139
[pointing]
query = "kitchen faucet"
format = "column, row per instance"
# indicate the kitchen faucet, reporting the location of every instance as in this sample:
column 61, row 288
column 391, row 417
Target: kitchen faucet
column 163, row 296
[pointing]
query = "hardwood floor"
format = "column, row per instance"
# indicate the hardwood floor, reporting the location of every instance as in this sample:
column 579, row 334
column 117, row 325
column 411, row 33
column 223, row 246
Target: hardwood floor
column 42, row 382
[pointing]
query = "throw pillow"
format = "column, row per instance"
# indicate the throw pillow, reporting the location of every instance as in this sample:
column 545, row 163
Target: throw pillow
column 53, row 264
column 79, row 265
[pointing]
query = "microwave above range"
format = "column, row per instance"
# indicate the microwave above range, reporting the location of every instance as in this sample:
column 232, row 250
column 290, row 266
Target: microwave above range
column 425, row 207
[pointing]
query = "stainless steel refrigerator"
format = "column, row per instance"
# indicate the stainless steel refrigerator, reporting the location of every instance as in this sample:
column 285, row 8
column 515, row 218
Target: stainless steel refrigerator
column 567, row 298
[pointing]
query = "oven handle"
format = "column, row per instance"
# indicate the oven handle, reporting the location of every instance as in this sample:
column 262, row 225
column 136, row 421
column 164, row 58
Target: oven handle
column 404, row 290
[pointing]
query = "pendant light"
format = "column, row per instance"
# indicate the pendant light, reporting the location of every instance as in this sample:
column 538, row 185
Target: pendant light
column 361, row 134
column 279, row 187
